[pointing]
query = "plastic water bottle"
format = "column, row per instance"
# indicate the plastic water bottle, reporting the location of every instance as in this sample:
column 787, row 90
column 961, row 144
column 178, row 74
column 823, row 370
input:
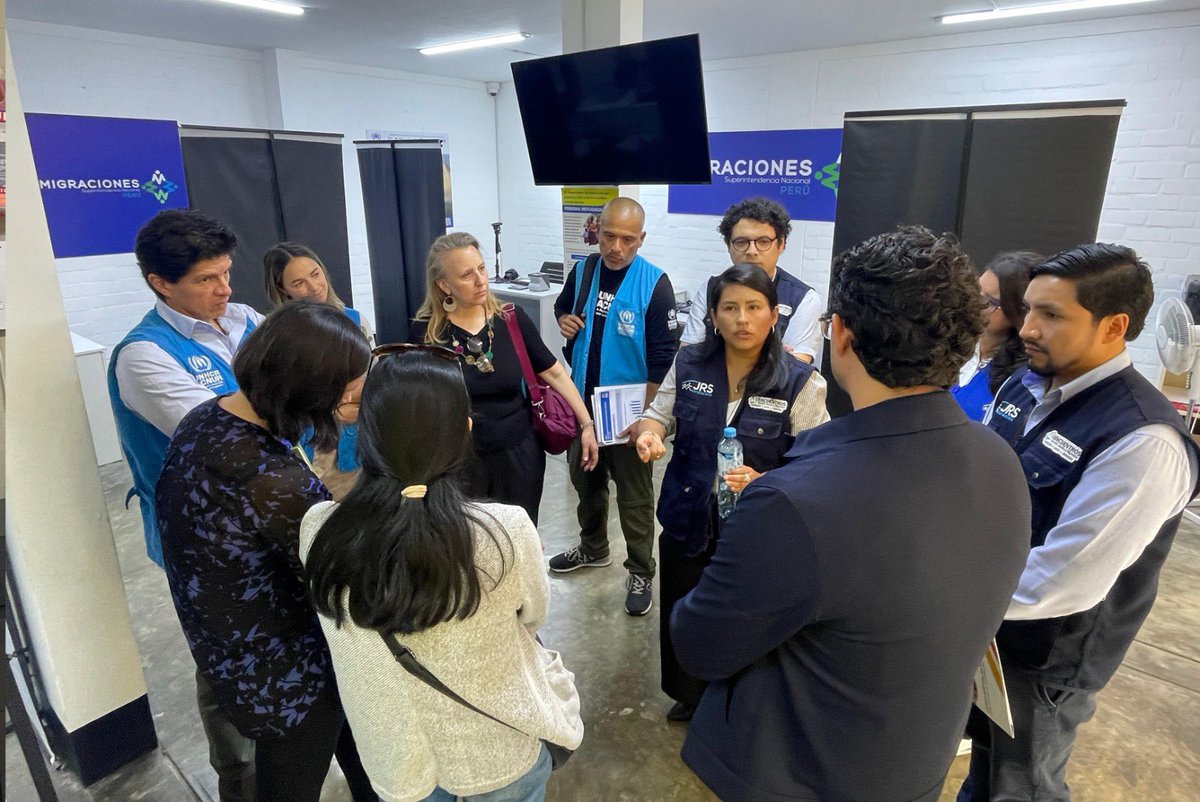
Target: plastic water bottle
column 729, row 457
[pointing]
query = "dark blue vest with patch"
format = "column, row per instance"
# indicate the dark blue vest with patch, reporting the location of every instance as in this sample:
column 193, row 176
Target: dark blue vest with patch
column 790, row 291
column 763, row 423
column 1084, row 649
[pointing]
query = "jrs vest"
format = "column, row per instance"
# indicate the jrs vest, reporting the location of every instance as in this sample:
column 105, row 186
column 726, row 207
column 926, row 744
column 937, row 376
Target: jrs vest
column 763, row 423
column 1084, row 649
column 789, row 290
column 623, row 349
column 144, row 445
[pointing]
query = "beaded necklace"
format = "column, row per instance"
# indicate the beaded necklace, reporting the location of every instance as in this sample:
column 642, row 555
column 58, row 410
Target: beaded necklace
column 472, row 352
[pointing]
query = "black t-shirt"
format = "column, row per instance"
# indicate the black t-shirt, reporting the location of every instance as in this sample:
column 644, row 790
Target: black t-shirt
column 499, row 402
column 661, row 324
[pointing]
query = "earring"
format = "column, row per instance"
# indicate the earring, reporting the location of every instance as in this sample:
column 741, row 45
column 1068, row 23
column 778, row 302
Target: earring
column 449, row 304
column 716, row 331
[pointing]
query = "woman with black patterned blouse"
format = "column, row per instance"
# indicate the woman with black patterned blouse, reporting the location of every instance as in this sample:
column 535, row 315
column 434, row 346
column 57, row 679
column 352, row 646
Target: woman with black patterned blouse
column 232, row 494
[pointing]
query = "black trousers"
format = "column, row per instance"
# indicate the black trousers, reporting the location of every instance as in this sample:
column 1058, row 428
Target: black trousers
column 678, row 574
column 634, row 481
column 292, row 767
column 1031, row 767
column 512, row 476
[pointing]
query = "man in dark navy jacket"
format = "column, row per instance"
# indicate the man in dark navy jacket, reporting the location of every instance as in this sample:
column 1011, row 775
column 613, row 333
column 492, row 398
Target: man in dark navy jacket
column 1110, row 467
column 854, row 589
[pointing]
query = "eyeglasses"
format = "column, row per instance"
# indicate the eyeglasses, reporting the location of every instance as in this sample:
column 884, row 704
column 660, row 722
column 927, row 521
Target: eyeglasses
column 742, row 244
column 823, row 320
column 990, row 304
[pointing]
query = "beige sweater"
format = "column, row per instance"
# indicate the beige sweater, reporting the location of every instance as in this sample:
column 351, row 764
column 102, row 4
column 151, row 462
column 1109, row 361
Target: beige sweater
column 412, row 738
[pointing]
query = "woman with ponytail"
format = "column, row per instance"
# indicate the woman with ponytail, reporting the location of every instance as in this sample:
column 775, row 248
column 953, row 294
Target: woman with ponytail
column 405, row 566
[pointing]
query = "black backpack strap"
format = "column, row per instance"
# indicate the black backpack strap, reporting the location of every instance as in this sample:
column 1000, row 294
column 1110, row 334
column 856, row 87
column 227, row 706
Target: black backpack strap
column 584, row 283
column 412, row 665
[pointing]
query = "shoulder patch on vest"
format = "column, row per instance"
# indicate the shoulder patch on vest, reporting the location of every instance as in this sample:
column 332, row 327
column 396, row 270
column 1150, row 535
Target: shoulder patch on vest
column 768, row 404
column 1062, row 446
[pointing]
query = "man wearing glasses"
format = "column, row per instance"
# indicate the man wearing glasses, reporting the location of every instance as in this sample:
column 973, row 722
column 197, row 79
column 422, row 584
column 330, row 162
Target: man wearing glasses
column 756, row 232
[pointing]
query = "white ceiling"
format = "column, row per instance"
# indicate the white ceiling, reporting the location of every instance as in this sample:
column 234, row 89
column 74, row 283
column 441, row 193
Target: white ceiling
column 387, row 33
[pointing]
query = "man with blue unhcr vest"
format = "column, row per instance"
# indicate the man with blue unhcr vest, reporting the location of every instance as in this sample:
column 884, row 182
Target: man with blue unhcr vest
column 178, row 356
column 617, row 312
column 755, row 233
column 1110, row 467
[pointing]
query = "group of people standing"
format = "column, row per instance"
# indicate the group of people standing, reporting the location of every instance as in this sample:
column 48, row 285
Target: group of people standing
column 325, row 507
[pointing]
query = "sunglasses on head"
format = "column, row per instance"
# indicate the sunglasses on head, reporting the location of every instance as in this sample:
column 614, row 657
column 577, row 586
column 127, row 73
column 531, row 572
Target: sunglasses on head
column 380, row 351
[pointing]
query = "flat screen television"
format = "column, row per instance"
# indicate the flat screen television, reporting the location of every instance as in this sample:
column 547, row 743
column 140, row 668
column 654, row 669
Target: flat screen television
column 632, row 114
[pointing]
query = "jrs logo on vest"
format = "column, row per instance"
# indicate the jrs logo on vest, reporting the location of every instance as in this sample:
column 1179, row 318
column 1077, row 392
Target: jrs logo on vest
column 698, row 387
column 1008, row 410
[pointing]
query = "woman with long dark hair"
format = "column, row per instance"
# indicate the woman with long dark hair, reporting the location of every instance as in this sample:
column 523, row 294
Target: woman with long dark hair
column 462, row 313
column 740, row 376
column 232, row 493
column 407, row 565
column 999, row 351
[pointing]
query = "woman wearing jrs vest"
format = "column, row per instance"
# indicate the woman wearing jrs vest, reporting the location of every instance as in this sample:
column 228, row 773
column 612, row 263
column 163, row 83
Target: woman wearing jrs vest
column 741, row 377
column 294, row 272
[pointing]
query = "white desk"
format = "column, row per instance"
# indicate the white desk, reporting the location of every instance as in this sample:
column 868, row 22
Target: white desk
column 539, row 305
column 93, row 378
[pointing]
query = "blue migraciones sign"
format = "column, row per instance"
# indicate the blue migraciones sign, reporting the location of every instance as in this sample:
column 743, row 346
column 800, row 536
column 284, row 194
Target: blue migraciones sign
column 102, row 178
column 799, row 169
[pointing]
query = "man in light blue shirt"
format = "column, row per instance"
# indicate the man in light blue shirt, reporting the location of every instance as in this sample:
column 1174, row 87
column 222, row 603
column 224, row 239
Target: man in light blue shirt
column 178, row 356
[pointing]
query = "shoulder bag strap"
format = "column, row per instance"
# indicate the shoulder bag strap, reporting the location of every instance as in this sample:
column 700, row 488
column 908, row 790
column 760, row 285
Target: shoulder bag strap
column 584, row 289
column 514, row 331
column 413, row 666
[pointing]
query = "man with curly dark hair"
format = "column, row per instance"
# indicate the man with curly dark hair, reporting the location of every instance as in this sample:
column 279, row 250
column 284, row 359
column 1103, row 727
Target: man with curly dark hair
column 755, row 233
column 854, row 589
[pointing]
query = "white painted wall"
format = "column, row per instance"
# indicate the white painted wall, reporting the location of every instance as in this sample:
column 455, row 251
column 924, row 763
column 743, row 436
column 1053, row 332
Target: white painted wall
column 80, row 71
column 1153, row 199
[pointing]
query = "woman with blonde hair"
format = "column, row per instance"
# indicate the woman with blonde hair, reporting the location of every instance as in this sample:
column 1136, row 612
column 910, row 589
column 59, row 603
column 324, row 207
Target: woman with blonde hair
column 294, row 271
column 461, row 313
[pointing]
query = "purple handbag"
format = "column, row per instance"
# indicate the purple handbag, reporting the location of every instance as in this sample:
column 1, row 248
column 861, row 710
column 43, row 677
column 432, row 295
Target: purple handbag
column 554, row 421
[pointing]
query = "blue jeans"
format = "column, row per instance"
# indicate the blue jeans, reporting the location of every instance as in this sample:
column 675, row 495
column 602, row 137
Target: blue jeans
column 531, row 787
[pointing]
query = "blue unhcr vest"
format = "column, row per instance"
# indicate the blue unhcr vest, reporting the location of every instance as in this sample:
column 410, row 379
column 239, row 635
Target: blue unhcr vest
column 763, row 423
column 789, row 291
column 144, row 445
column 1084, row 649
column 975, row 397
column 623, row 349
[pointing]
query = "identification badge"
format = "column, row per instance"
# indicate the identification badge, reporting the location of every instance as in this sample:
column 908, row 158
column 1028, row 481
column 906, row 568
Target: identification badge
column 1062, row 446
column 785, row 310
column 767, row 404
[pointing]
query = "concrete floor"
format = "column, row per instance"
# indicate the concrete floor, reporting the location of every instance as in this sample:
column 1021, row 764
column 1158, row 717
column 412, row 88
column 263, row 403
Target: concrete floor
column 1144, row 743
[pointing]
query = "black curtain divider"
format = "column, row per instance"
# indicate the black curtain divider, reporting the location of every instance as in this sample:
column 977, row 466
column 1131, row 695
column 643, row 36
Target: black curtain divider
column 270, row 186
column 405, row 207
column 999, row 177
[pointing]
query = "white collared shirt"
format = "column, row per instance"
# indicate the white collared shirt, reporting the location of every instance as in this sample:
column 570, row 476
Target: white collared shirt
column 803, row 333
column 1123, row 498
column 160, row 390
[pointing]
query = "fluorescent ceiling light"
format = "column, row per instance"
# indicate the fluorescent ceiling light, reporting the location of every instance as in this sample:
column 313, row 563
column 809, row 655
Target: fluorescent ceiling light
column 268, row 5
column 504, row 39
column 1025, row 11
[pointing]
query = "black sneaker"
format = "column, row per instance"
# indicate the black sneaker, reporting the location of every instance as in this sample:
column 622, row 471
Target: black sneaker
column 571, row 559
column 640, row 596
column 680, row 712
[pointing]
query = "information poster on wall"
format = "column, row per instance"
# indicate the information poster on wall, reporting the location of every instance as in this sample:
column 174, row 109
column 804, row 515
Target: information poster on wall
column 798, row 168
column 581, row 208
column 444, row 142
column 102, row 178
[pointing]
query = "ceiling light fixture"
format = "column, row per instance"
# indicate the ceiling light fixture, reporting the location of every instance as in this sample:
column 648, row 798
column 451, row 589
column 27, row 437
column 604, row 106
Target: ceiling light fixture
column 268, row 5
column 1025, row 11
column 504, row 39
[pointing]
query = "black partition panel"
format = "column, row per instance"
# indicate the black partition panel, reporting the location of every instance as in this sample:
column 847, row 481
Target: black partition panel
column 233, row 179
column 1035, row 183
column 312, row 197
column 404, row 203
column 270, row 186
column 1028, row 177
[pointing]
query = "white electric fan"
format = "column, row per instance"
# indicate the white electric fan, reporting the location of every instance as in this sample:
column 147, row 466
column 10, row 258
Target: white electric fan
column 1178, row 339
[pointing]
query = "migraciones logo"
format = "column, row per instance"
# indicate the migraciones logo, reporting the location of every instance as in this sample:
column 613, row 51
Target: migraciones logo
column 160, row 187
column 830, row 174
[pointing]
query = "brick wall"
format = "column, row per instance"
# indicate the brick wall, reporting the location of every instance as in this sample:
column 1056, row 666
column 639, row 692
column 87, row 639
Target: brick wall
column 1153, row 199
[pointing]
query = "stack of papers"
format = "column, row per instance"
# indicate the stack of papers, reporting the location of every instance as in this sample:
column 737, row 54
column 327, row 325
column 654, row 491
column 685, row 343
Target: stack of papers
column 615, row 409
